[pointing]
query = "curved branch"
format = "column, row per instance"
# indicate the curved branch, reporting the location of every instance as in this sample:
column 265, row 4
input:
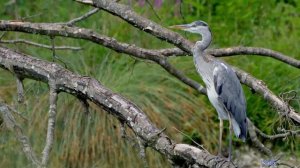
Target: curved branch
column 233, row 51
column 124, row 12
column 121, row 108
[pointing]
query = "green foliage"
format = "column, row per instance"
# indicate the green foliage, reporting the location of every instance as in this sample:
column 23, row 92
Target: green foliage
column 81, row 142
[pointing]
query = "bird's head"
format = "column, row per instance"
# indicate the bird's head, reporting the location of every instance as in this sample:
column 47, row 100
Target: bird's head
column 198, row 27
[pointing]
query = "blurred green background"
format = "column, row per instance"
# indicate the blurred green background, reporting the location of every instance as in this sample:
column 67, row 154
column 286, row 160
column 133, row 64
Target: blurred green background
column 96, row 142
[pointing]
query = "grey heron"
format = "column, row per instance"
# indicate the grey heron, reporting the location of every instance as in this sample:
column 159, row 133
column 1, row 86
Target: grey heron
column 223, row 86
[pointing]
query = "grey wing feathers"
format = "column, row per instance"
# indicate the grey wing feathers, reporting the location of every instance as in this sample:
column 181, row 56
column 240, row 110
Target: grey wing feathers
column 231, row 95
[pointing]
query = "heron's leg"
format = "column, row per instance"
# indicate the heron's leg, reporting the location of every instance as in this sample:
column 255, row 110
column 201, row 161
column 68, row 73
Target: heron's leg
column 230, row 139
column 220, row 137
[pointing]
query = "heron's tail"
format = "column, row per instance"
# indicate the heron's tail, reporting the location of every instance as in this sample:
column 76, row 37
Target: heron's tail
column 240, row 129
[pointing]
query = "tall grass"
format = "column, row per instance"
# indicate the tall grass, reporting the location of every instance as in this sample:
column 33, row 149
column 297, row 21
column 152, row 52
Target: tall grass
column 96, row 141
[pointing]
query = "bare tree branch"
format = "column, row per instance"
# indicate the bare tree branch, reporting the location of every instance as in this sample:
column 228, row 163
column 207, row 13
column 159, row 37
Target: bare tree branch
column 255, row 51
column 39, row 45
column 11, row 123
column 88, row 14
column 233, row 51
column 255, row 141
column 20, row 89
column 124, row 12
column 277, row 136
column 124, row 110
column 51, row 122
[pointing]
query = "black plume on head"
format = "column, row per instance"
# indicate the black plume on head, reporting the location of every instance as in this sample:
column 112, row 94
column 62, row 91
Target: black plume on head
column 199, row 23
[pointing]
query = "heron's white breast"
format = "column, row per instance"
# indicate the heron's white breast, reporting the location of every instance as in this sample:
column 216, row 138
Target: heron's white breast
column 214, row 99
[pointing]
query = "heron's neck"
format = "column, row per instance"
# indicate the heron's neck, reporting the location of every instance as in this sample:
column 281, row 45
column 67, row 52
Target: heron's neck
column 200, row 46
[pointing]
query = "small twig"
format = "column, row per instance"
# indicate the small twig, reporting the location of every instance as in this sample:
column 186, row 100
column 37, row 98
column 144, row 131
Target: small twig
column 276, row 136
column 85, row 105
column 286, row 164
column 39, row 45
column 31, row 16
column 20, row 89
column 2, row 35
column 18, row 113
column 85, row 1
column 152, row 8
column 54, row 56
column 51, row 125
column 190, row 138
column 122, row 129
column 288, row 96
column 53, row 48
column 142, row 152
column 88, row 14
column 11, row 123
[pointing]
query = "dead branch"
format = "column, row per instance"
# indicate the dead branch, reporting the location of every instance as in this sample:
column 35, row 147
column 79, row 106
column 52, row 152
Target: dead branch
column 51, row 122
column 88, row 14
column 20, row 89
column 121, row 108
column 16, row 41
column 233, row 51
column 11, row 123
column 124, row 12
column 255, row 140
column 277, row 136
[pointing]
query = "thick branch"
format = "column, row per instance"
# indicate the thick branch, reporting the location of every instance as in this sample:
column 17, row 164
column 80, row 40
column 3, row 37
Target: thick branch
column 140, row 22
column 121, row 108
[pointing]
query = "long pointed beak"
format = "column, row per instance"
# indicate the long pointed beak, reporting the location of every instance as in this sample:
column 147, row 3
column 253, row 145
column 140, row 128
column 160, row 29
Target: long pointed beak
column 180, row 27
